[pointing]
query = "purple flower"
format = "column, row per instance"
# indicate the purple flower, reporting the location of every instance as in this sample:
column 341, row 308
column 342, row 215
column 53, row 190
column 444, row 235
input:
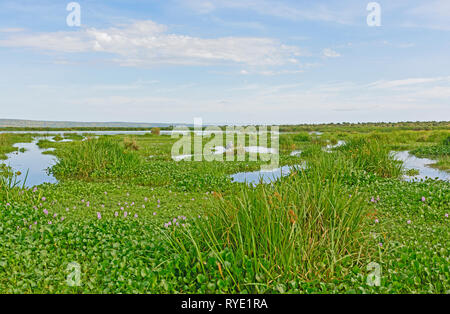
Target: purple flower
column 377, row 221
column 116, row 214
column 372, row 200
column 43, row 199
column 143, row 206
column 380, row 244
column 423, row 198
column 82, row 201
column 7, row 204
column 35, row 222
column 49, row 222
column 146, row 199
column 446, row 215
column 62, row 218
column 55, row 215
column 159, row 201
column 158, row 206
column 154, row 214
column 34, row 190
column 106, row 193
column 408, row 222
column 121, row 208
column 135, row 215
column 29, row 227
column 125, row 214
column 99, row 215
column 45, row 211
column 103, row 206
column 88, row 204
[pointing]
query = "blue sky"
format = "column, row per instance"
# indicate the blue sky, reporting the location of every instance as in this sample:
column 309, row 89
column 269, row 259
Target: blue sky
column 226, row 61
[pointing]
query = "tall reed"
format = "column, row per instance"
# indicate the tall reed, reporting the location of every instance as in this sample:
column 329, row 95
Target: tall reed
column 303, row 227
column 96, row 158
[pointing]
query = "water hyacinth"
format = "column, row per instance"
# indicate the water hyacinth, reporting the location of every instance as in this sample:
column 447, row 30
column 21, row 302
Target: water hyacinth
column 116, row 214
column 99, row 215
column 125, row 214
column 423, row 199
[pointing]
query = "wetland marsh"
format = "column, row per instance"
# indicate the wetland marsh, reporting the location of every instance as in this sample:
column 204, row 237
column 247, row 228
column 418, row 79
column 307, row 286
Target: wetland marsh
column 137, row 221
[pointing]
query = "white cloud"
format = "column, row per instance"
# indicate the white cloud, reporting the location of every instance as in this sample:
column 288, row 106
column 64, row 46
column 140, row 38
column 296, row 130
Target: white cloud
column 148, row 43
column 309, row 11
column 330, row 53
column 407, row 82
column 11, row 30
column 434, row 14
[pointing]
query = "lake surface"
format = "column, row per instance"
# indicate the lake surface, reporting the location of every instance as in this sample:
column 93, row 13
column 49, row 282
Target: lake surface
column 162, row 132
column 36, row 163
column 33, row 161
column 421, row 164
column 255, row 177
column 219, row 150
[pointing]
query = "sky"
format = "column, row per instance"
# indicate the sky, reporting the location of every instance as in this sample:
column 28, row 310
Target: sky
column 225, row 61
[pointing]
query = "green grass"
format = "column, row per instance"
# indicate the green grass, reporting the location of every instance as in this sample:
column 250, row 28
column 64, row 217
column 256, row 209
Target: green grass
column 8, row 140
column 304, row 227
column 439, row 151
